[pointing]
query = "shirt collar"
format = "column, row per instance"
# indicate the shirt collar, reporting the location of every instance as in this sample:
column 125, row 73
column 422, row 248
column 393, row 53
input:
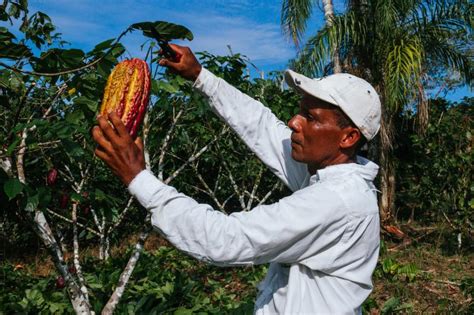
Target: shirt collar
column 363, row 167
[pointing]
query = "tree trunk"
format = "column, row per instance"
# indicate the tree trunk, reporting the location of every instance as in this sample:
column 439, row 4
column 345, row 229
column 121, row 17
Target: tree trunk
column 329, row 16
column 387, row 166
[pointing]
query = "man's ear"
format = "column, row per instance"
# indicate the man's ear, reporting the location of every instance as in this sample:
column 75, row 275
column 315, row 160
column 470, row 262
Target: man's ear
column 350, row 137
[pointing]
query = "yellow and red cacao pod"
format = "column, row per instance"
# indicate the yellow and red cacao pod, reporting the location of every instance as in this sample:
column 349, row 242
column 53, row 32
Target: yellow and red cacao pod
column 127, row 92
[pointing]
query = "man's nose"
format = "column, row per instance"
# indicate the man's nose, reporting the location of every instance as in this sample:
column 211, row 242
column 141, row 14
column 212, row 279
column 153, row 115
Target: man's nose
column 295, row 123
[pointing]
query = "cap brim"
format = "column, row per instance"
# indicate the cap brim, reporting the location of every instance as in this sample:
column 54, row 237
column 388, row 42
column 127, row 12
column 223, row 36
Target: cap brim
column 305, row 85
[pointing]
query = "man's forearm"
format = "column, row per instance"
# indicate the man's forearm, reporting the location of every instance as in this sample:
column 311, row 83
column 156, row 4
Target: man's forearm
column 266, row 135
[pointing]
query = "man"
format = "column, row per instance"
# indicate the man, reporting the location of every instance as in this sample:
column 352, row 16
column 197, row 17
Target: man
column 323, row 240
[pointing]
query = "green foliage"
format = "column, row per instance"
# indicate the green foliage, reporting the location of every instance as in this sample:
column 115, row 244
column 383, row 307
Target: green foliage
column 22, row 294
column 164, row 282
column 394, row 271
column 47, row 115
column 435, row 182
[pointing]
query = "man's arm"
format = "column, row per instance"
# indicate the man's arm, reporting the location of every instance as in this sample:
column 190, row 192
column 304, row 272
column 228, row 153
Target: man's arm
column 291, row 230
column 282, row 232
column 255, row 124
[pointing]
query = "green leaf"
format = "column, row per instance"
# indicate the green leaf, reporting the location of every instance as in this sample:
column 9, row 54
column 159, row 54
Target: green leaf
column 100, row 195
column 76, row 117
column 14, row 51
column 157, row 85
column 86, row 102
column 165, row 30
column 12, row 188
column 183, row 311
column 12, row 146
column 390, row 305
column 103, row 45
column 32, row 202
column 5, row 35
column 75, row 197
column 73, row 148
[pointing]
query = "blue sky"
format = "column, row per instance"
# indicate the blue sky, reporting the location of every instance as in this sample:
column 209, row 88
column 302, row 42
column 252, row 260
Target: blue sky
column 251, row 28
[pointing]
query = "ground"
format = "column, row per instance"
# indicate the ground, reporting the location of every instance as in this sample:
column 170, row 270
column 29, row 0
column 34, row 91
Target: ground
column 415, row 277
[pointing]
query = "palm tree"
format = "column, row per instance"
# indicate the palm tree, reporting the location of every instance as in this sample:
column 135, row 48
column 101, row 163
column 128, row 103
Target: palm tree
column 294, row 15
column 391, row 44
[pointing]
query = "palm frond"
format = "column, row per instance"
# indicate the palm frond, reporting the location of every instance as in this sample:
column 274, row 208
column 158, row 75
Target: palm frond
column 294, row 15
column 402, row 71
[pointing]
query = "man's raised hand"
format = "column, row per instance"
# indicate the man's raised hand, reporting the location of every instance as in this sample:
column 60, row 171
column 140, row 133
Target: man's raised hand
column 188, row 66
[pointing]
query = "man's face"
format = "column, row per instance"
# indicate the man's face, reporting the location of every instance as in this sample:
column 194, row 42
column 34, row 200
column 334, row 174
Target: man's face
column 316, row 136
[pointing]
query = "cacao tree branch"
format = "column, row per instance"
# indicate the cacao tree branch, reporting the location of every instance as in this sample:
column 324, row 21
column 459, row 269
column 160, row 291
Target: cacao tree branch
column 41, row 144
column 146, row 129
column 96, row 221
column 122, row 215
column 127, row 272
column 234, row 185
column 42, row 229
column 104, row 242
column 194, row 157
column 6, row 164
column 77, row 263
column 207, row 190
column 275, row 186
column 57, row 215
column 166, row 142
column 254, row 189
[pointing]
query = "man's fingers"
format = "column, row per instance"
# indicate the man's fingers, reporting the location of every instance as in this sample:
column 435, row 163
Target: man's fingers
column 139, row 143
column 100, row 139
column 101, row 154
column 177, row 48
column 107, row 130
column 118, row 125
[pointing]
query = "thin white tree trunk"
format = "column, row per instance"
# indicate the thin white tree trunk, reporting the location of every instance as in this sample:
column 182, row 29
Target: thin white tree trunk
column 126, row 273
column 329, row 16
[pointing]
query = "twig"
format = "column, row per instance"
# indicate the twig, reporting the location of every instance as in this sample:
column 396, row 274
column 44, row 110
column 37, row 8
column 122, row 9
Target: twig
column 166, row 142
column 254, row 189
column 207, row 190
column 194, row 157
column 275, row 186
column 234, row 185
column 70, row 221
column 122, row 215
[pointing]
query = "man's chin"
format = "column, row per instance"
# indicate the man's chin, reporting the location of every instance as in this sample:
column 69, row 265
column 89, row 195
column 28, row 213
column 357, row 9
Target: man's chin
column 295, row 156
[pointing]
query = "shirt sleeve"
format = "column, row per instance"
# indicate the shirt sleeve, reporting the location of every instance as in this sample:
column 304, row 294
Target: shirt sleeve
column 266, row 135
column 284, row 232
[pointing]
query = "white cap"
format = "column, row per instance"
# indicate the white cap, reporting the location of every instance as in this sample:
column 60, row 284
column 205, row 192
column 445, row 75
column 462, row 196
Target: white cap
column 355, row 96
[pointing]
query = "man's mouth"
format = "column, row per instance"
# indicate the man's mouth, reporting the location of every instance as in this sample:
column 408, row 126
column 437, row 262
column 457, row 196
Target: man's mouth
column 294, row 141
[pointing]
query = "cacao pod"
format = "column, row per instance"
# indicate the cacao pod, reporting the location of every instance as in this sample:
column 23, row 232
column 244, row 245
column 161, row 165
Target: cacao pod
column 60, row 283
column 72, row 269
column 52, row 177
column 86, row 209
column 63, row 201
column 127, row 92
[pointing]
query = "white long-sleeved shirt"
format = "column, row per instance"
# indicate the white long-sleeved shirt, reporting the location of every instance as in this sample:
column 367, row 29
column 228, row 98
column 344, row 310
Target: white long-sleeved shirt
column 322, row 241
